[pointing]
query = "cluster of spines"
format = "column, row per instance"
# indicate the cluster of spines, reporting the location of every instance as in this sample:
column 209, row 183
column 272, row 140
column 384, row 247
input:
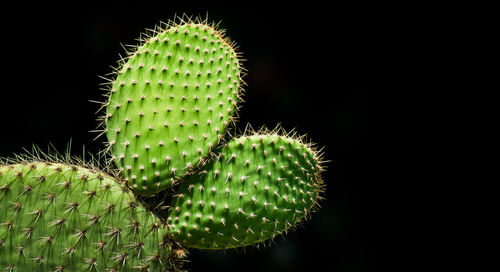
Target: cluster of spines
column 235, row 201
column 186, row 108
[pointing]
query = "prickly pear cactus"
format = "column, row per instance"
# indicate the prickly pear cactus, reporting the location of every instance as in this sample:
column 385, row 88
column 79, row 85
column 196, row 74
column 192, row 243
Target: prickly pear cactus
column 169, row 107
column 259, row 186
column 62, row 217
column 171, row 103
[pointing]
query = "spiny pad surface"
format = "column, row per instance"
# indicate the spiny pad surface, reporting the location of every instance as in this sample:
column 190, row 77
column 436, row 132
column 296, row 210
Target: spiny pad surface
column 170, row 104
column 59, row 217
column 259, row 187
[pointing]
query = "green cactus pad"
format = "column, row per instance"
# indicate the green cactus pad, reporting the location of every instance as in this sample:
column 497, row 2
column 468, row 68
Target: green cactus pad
column 258, row 187
column 61, row 217
column 171, row 103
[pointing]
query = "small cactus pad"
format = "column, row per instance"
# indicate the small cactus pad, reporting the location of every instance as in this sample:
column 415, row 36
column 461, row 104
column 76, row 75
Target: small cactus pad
column 171, row 103
column 60, row 217
column 258, row 187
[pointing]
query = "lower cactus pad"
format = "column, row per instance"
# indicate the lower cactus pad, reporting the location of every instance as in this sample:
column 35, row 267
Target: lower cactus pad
column 61, row 217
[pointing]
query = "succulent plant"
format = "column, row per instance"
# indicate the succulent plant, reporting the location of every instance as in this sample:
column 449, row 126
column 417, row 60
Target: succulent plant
column 176, row 180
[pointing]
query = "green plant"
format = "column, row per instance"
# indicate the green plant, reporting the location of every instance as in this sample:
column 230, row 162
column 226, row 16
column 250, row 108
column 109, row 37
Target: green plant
column 180, row 182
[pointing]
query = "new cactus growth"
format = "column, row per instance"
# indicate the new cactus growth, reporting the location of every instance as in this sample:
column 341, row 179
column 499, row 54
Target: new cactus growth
column 171, row 103
column 257, row 187
column 63, row 217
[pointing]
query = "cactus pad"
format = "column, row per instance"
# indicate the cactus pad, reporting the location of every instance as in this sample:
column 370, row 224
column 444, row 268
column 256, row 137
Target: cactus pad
column 61, row 217
column 171, row 103
column 258, row 187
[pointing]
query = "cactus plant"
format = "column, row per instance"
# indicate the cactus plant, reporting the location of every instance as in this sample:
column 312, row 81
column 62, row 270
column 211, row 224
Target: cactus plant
column 168, row 110
column 66, row 216
column 171, row 103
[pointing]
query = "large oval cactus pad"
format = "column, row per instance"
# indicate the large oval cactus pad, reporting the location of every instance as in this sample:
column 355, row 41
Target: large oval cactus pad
column 171, row 104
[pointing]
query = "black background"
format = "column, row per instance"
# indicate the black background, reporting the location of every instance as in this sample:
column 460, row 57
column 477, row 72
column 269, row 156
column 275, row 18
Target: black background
column 311, row 68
